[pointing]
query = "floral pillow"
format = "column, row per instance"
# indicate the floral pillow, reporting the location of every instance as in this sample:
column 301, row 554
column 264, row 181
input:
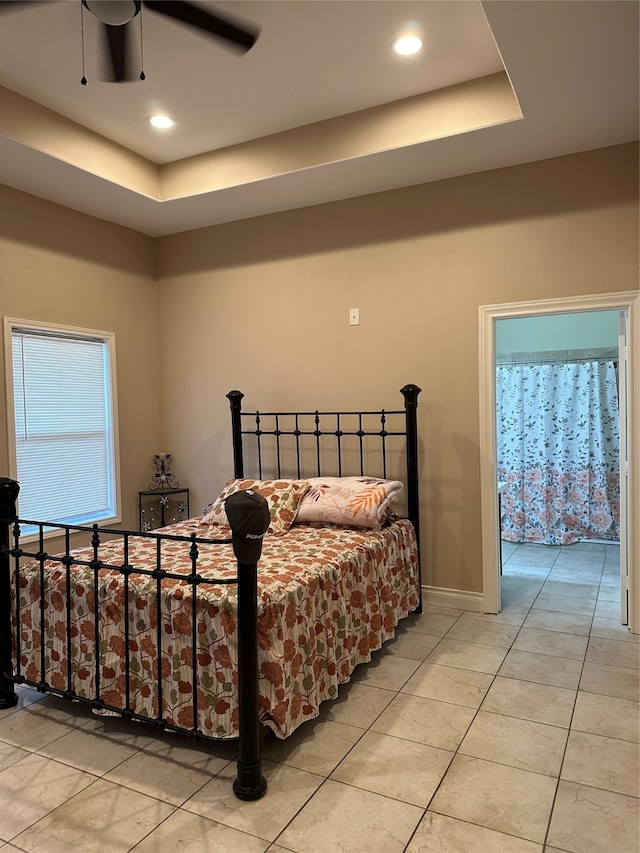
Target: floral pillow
column 283, row 497
column 354, row 501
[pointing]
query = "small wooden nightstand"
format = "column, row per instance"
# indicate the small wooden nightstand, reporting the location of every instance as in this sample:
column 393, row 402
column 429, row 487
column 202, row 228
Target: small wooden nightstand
column 159, row 507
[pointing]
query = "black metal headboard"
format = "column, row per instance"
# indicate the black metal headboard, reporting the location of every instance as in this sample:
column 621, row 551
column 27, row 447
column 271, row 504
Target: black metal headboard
column 323, row 436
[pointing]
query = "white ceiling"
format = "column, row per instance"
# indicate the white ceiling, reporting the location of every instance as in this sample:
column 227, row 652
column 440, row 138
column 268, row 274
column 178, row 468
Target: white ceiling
column 573, row 66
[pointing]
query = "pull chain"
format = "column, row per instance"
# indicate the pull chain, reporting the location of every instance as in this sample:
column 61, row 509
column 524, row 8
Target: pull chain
column 84, row 79
column 142, row 74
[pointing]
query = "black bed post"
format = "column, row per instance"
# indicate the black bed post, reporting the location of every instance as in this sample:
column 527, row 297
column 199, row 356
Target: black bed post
column 410, row 394
column 249, row 783
column 235, row 400
column 248, row 515
column 8, row 496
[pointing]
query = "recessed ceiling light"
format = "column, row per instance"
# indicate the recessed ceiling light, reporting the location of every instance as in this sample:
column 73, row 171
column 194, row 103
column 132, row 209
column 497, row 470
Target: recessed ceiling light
column 161, row 121
column 407, row 45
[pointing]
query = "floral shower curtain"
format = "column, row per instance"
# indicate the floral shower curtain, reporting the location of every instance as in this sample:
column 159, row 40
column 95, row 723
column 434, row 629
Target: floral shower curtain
column 558, row 452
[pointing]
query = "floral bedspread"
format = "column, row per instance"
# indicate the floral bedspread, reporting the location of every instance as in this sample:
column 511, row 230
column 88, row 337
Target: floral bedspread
column 327, row 597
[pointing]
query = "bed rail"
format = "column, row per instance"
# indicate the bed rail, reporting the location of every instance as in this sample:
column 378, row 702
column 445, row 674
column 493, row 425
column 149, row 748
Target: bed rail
column 329, row 425
column 249, row 783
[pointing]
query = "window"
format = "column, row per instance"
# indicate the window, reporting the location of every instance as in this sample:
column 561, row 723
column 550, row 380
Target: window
column 62, row 422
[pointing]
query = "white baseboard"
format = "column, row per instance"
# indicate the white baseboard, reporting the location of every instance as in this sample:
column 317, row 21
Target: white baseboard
column 459, row 598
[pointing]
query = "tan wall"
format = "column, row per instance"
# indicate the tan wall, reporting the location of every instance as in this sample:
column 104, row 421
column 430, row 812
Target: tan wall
column 62, row 267
column 262, row 305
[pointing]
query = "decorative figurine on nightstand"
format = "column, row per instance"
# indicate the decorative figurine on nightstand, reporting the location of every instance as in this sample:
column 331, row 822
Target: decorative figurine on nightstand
column 163, row 477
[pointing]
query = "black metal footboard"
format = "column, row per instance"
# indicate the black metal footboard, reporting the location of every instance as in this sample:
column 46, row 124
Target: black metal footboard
column 14, row 555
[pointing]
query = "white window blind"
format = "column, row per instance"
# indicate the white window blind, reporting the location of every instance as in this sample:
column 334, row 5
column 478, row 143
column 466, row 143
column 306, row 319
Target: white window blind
column 64, row 426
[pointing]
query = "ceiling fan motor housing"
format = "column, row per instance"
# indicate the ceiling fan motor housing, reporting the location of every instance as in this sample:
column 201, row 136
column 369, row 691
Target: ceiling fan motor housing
column 115, row 13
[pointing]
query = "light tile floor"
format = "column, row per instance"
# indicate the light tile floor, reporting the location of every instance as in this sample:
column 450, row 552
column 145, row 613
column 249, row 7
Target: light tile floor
column 515, row 733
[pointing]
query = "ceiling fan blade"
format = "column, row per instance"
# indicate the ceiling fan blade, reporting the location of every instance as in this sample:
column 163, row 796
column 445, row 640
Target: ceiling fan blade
column 118, row 59
column 187, row 13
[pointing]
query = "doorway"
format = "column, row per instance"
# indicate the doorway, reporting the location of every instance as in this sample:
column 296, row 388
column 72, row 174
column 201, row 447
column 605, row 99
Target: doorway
column 628, row 304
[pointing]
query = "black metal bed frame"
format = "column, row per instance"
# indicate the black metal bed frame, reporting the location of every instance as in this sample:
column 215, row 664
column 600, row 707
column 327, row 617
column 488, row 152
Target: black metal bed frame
column 249, row 783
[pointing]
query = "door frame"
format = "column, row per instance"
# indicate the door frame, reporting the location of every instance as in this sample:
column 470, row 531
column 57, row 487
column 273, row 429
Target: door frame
column 629, row 300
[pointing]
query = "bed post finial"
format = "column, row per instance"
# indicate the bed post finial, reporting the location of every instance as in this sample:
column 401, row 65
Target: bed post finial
column 235, row 401
column 410, row 393
column 8, row 515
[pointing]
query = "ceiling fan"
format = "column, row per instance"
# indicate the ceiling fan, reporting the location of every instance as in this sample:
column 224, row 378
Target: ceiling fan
column 116, row 16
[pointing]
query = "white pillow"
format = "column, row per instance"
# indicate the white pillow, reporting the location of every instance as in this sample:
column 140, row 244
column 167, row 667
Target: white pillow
column 353, row 501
